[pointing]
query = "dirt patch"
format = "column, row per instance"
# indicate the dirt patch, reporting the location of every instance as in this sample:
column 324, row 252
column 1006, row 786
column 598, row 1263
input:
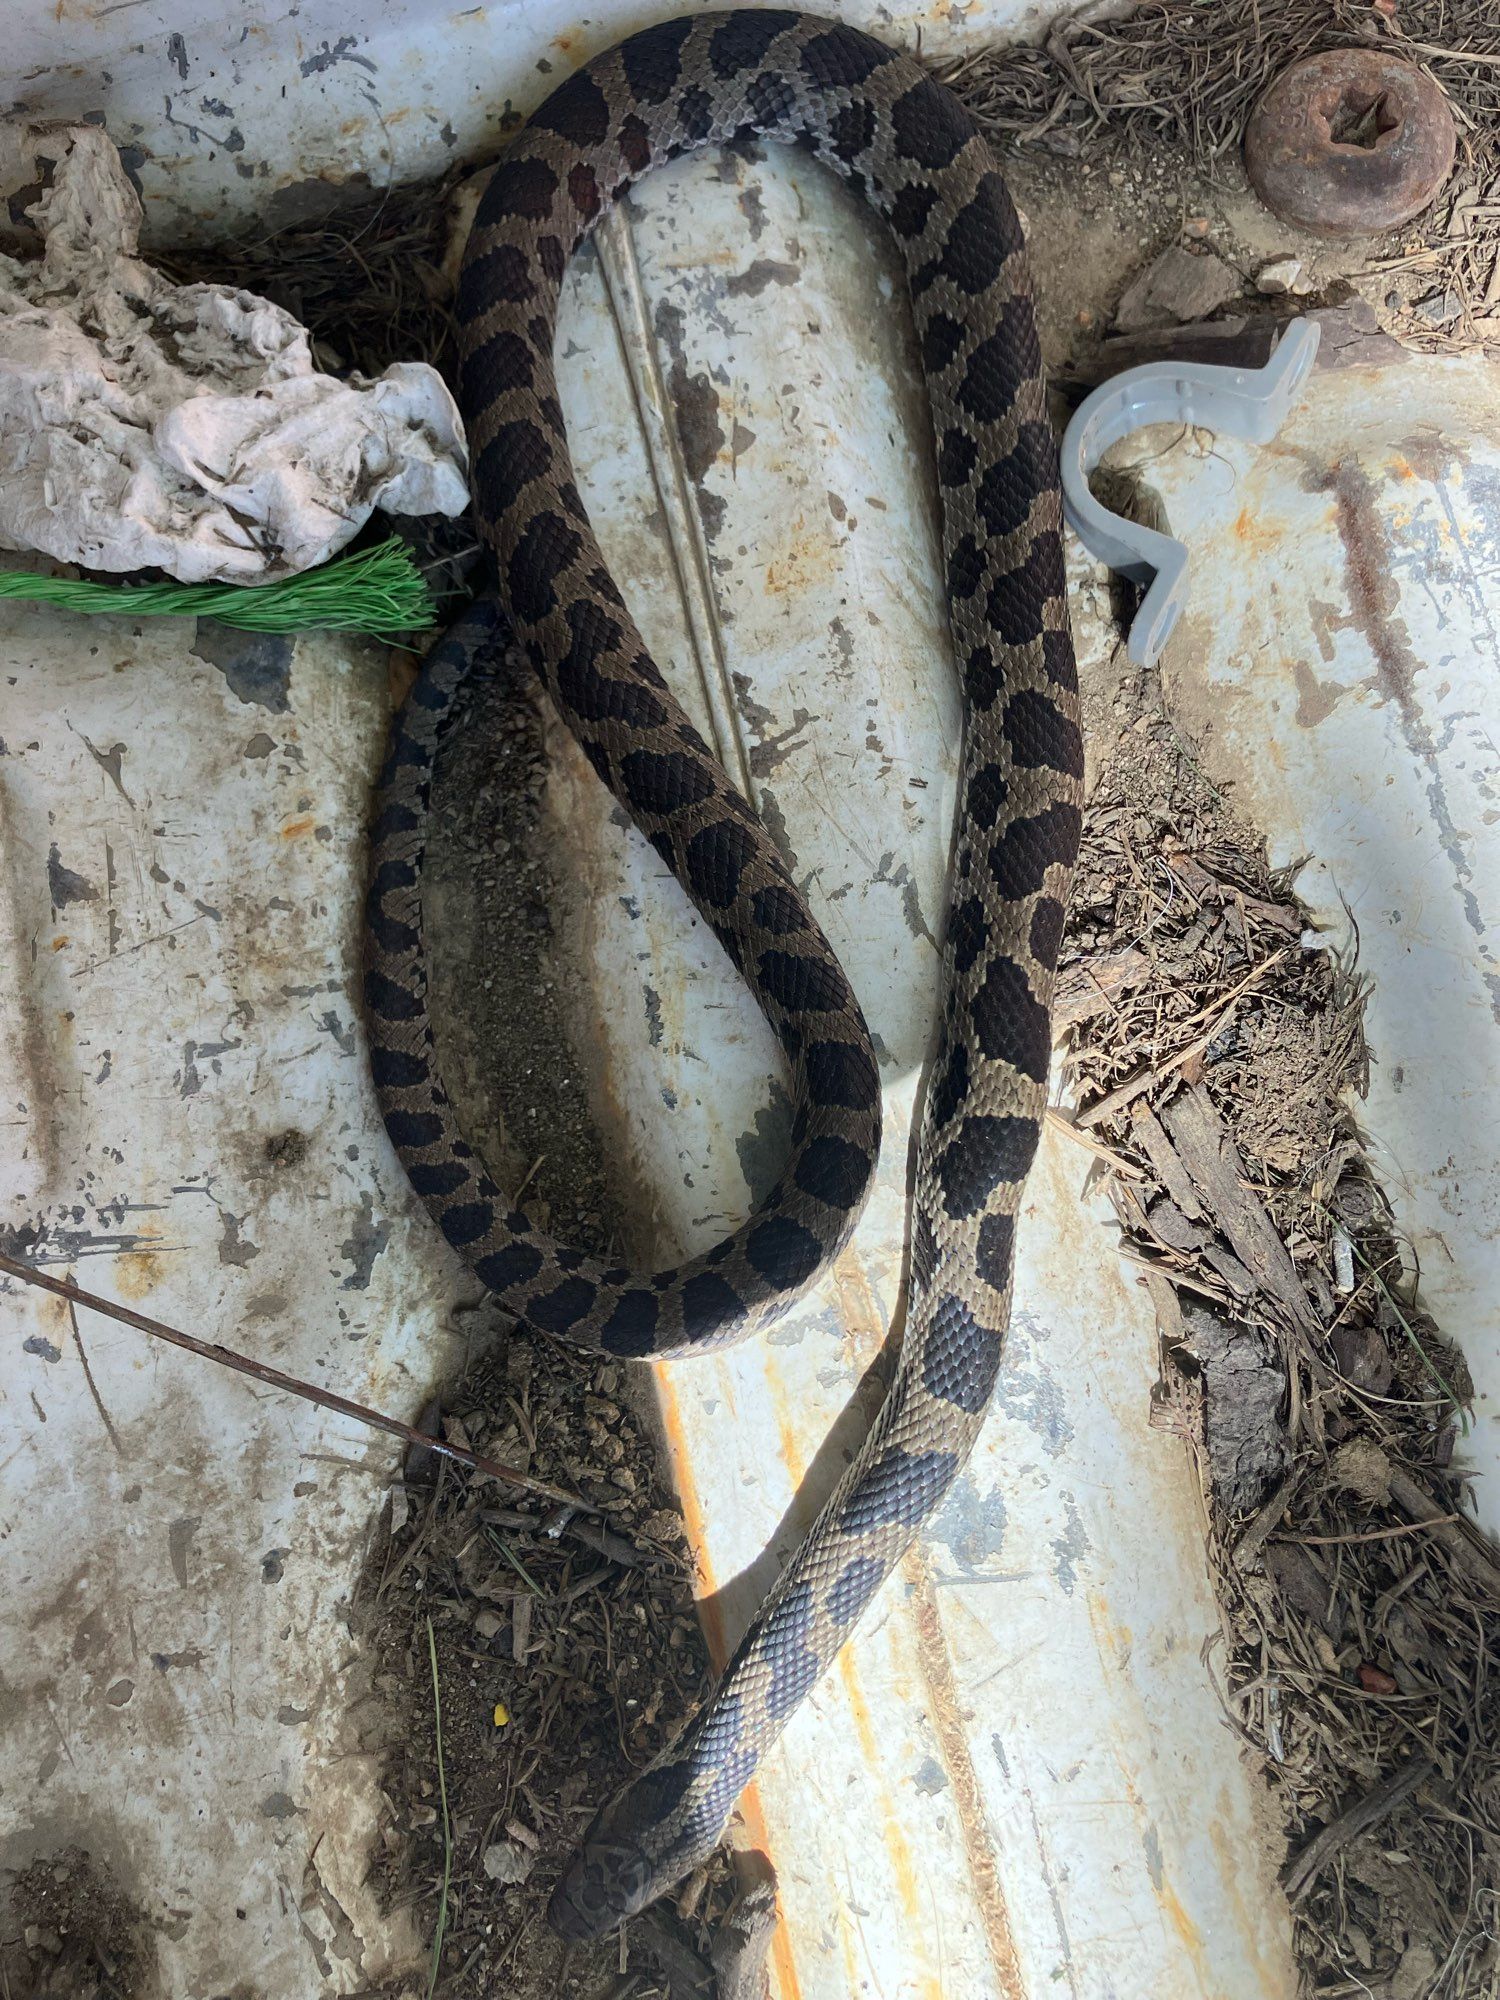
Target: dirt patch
column 1170, row 85
column 1095, row 222
column 1217, row 1052
column 69, row 1932
column 498, row 972
column 563, row 1650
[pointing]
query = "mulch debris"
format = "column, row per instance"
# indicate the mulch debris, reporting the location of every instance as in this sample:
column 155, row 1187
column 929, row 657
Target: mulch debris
column 1216, row 1056
column 541, row 1655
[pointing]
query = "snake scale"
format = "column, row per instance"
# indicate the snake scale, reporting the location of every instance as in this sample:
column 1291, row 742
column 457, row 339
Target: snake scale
column 906, row 144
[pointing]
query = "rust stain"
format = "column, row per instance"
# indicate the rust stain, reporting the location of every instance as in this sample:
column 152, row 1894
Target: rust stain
column 1374, row 591
column 137, row 1272
column 750, row 1809
column 1112, row 1639
column 53, row 1313
column 59, row 943
column 1258, row 533
column 1182, row 1923
column 903, row 1869
column 294, row 828
column 1375, row 612
column 945, row 1710
column 1254, row 1919
column 1433, row 456
column 790, row 1447
column 859, row 1310
column 806, row 562
column 1119, row 1639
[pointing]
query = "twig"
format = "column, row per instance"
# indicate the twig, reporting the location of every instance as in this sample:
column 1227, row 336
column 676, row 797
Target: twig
column 1360, row 1817
column 1247, row 1549
column 437, row 1724
column 1374, row 1534
column 1116, row 1162
column 1418, row 1505
column 1455, row 55
column 276, row 1378
column 88, row 1376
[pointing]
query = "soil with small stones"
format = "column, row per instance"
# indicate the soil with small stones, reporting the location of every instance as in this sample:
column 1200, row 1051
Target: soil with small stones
column 1094, row 223
column 69, row 1932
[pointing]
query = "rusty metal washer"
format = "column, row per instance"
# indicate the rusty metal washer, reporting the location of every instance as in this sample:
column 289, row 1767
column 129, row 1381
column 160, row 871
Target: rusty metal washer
column 1350, row 143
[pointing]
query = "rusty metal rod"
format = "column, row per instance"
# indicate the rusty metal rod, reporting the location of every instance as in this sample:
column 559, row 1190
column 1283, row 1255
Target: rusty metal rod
column 276, row 1378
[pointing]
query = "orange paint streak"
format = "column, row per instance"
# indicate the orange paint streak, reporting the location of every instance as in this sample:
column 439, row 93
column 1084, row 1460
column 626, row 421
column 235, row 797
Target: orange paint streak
column 1256, row 534
column 791, row 1449
column 751, row 1814
column 137, row 1272
column 1108, row 1638
column 295, row 827
column 908, row 1886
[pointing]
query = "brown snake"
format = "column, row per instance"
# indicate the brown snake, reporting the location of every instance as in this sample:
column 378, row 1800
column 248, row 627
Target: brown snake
column 904, row 143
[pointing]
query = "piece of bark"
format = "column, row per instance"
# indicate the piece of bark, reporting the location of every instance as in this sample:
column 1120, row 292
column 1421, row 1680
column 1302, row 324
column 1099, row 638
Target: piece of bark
column 1369, row 1811
column 1303, row 1584
column 1351, row 337
column 1146, row 1130
column 741, row 1946
column 1362, row 1358
column 1243, row 1393
column 1247, row 1549
column 1231, row 1270
column 1093, row 985
column 1169, row 1225
column 1208, row 1151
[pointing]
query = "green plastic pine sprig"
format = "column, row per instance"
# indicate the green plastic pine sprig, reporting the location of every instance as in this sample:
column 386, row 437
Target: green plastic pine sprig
column 379, row 591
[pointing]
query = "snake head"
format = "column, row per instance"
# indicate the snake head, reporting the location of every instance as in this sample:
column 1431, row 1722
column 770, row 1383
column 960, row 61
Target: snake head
column 608, row 1880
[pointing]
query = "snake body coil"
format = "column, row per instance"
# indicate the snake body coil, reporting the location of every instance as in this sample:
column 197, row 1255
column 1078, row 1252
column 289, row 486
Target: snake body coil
column 909, row 148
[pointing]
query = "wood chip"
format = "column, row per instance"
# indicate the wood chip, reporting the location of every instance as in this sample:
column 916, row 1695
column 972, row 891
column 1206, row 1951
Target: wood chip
column 1213, row 1161
column 1146, row 1130
column 1093, row 985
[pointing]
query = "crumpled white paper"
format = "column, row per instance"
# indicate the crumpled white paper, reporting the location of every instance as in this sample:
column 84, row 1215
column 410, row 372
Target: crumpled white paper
column 184, row 427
